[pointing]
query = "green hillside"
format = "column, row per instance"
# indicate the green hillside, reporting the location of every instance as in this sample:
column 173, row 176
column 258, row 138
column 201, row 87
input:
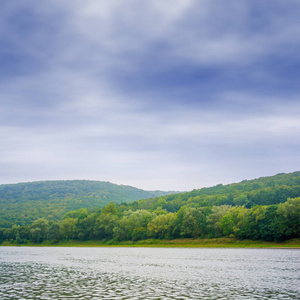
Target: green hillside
column 266, row 209
column 262, row 191
column 24, row 202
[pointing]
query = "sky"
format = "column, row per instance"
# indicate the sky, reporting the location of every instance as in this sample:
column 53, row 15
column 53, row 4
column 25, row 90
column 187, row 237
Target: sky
column 156, row 94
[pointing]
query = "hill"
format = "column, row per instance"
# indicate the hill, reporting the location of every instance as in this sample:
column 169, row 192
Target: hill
column 266, row 208
column 24, row 202
column 261, row 191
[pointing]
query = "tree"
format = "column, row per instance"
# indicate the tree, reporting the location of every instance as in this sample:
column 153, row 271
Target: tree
column 105, row 224
column 240, row 200
column 110, row 208
column 193, row 223
column 85, row 227
column 268, row 225
column 121, row 230
column 215, row 218
column 68, row 228
column 39, row 230
column 289, row 214
column 249, row 229
column 133, row 226
column 8, row 234
column 79, row 214
column 227, row 225
column 233, row 220
column 1, row 235
column 162, row 226
column 54, row 232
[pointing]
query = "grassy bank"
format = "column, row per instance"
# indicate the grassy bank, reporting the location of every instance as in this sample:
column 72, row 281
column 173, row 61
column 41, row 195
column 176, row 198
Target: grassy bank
column 182, row 243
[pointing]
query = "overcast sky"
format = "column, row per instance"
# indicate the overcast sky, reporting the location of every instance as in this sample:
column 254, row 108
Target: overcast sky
column 156, row 94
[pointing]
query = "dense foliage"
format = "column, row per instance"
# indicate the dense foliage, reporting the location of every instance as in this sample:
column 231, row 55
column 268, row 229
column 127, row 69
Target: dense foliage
column 249, row 193
column 261, row 209
column 271, row 223
column 23, row 203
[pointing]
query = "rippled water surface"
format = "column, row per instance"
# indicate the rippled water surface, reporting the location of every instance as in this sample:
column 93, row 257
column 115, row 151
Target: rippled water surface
column 148, row 273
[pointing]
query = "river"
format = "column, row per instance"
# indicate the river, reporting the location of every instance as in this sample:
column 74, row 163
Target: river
column 148, row 273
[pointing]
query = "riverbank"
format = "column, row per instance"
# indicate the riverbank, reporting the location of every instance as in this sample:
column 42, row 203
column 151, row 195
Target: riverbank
column 180, row 243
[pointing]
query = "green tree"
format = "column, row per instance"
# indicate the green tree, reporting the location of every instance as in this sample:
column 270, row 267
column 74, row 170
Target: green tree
column 289, row 212
column 85, row 227
column 39, row 230
column 20, row 233
column 79, row 214
column 162, row 226
column 105, row 224
column 215, row 218
column 268, row 225
column 122, row 230
column 1, row 235
column 233, row 220
column 8, row 234
column 250, row 228
column 241, row 200
column 133, row 226
column 193, row 223
column 110, row 208
column 68, row 228
column 54, row 232
column 227, row 225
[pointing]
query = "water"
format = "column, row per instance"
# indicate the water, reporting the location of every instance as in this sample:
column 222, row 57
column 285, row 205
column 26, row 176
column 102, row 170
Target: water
column 148, row 273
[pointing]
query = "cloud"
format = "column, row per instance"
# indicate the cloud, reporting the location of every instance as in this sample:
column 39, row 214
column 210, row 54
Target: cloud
column 153, row 94
column 128, row 147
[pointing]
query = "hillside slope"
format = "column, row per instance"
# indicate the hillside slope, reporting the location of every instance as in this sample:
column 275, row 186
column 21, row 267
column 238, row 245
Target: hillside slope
column 262, row 191
column 24, row 202
column 266, row 208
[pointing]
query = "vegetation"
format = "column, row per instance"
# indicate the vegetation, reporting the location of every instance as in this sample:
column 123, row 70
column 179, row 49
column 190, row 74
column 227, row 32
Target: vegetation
column 182, row 243
column 266, row 209
column 248, row 193
column 23, row 203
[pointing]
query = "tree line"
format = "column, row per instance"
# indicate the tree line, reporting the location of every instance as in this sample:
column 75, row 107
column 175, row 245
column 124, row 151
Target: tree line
column 276, row 222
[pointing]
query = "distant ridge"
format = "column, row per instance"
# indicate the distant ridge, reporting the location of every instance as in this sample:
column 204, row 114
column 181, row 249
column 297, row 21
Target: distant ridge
column 21, row 203
column 267, row 190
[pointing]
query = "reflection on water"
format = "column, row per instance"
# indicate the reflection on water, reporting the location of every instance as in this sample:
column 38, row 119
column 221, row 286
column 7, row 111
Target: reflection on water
column 148, row 273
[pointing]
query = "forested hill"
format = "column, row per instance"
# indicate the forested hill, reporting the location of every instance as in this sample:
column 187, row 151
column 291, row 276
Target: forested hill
column 262, row 191
column 24, row 202
column 261, row 209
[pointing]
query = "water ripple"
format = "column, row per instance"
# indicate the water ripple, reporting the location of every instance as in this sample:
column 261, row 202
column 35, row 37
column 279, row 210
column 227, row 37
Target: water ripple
column 153, row 276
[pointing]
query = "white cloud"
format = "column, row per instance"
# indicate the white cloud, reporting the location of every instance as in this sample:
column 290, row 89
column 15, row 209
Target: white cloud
column 66, row 117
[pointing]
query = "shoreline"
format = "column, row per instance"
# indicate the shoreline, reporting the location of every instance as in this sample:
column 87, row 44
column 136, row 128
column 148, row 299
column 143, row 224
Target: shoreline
column 178, row 243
